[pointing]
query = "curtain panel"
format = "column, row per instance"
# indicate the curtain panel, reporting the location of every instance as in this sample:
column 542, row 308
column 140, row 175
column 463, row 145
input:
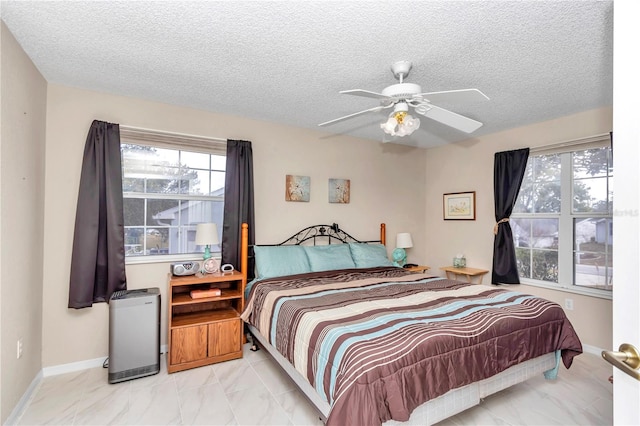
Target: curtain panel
column 98, row 258
column 508, row 172
column 238, row 203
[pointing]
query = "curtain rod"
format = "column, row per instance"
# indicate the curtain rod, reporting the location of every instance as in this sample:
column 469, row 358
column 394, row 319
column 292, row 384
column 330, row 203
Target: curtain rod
column 568, row 143
column 162, row 132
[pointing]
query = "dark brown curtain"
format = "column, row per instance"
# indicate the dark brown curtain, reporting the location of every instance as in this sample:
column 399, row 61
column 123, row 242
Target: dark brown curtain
column 238, row 202
column 508, row 172
column 97, row 260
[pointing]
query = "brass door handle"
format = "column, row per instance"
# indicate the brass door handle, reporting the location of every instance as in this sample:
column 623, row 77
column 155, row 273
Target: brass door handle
column 626, row 359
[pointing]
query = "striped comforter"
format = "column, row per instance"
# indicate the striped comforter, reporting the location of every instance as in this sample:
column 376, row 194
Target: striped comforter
column 378, row 342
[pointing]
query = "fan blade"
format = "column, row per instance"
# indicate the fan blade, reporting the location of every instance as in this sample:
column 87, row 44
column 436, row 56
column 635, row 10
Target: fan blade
column 452, row 119
column 365, row 93
column 374, row 109
column 457, row 96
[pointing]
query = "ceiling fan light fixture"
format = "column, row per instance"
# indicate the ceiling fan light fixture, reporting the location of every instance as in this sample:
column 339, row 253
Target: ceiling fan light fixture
column 400, row 123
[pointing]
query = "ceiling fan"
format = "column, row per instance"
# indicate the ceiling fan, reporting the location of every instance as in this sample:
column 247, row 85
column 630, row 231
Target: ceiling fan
column 403, row 95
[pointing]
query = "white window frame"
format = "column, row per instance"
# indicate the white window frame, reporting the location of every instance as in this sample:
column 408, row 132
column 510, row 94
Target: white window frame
column 566, row 216
column 175, row 141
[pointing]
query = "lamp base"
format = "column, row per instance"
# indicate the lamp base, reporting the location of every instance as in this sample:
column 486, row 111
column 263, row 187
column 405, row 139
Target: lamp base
column 207, row 252
column 399, row 257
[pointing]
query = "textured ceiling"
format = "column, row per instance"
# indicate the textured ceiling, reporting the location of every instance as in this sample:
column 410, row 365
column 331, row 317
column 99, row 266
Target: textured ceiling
column 286, row 61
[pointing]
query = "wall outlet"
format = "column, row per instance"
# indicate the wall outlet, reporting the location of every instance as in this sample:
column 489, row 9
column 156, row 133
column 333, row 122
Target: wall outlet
column 19, row 349
column 568, row 304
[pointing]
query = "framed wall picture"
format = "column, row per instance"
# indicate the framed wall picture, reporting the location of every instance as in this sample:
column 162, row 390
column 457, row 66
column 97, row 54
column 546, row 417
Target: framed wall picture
column 460, row 206
column 339, row 191
column 297, row 188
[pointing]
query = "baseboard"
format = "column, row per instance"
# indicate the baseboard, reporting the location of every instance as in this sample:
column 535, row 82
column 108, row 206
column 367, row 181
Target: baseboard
column 81, row 365
column 14, row 417
column 592, row 350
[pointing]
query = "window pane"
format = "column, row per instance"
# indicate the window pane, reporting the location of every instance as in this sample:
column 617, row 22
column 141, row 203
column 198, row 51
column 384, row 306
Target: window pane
column 537, row 233
column 593, row 251
column 217, row 183
column 157, row 241
column 540, row 190
column 131, row 184
column 195, row 182
column 194, row 212
column 134, row 241
column 545, row 265
column 544, row 233
column 590, row 195
column 546, row 197
column 133, row 211
column 194, row 160
column 546, row 168
column 590, row 163
column 521, row 231
column 523, row 258
column 218, row 162
column 162, row 212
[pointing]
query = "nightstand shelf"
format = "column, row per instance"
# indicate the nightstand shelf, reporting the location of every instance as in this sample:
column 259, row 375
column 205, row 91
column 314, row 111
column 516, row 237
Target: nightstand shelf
column 203, row 317
column 186, row 299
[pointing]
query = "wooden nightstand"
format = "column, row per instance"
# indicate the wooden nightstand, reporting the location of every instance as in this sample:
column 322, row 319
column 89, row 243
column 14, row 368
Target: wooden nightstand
column 204, row 330
column 419, row 268
column 467, row 272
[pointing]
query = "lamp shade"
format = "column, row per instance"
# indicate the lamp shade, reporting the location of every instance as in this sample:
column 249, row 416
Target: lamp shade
column 403, row 240
column 207, row 234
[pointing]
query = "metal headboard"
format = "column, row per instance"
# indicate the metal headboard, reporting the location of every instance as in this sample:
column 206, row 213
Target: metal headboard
column 329, row 233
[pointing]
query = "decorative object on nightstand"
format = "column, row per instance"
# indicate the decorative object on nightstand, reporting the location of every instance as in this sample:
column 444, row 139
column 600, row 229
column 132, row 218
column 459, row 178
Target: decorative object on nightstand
column 403, row 241
column 459, row 261
column 467, row 272
column 207, row 236
column 210, row 266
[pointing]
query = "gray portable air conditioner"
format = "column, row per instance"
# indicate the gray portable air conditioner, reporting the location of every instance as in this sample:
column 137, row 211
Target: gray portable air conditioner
column 134, row 334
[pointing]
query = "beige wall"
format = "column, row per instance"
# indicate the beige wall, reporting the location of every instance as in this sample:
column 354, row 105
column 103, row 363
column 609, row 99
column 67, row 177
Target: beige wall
column 387, row 185
column 22, row 150
column 468, row 166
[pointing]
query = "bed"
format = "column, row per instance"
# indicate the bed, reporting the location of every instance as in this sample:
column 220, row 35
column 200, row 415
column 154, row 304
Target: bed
column 368, row 342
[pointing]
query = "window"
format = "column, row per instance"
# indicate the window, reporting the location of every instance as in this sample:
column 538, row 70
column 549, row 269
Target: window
column 562, row 221
column 167, row 191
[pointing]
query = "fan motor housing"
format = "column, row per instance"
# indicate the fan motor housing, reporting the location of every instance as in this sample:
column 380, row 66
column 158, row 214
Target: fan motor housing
column 402, row 90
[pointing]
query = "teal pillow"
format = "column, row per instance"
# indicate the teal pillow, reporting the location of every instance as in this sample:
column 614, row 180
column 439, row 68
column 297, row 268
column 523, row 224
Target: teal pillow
column 369, row 255
column 279, row 261
column 330, row 257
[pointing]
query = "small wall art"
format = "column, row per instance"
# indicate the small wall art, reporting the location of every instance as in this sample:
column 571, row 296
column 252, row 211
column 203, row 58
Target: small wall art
column 339, row 191
column 460, row 206
column 297, row 188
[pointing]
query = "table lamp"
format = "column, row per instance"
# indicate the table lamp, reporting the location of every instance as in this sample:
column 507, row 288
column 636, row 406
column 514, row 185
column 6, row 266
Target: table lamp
column 207, row 236
column 403, row 241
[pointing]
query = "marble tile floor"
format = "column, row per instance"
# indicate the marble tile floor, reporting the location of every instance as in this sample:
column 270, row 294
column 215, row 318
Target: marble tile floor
column 253, row 391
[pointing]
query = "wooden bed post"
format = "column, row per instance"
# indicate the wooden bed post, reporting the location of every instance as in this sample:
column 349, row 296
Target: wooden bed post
column 244, row 251
column 244, row 264
column 383, row 234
